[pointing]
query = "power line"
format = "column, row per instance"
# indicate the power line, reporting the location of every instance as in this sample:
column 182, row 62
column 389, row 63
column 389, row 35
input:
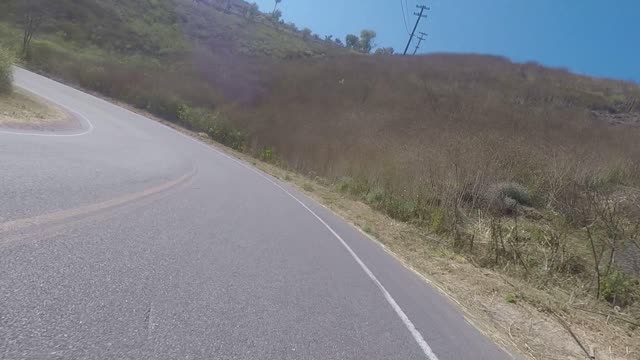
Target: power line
column 420, row 16
column 404, row 17
column 406, row 7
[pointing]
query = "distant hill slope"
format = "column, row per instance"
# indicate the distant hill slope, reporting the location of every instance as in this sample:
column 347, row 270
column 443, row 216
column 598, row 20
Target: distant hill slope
column 160, row 27
column 220, row 51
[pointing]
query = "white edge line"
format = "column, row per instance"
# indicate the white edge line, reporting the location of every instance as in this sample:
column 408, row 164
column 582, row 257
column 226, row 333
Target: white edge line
column 75, row 113
column 426, row 349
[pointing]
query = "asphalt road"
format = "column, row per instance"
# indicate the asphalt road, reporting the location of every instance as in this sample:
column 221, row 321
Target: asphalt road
column 127, row 240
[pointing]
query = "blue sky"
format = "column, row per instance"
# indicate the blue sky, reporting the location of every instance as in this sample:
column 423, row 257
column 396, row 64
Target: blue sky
column 599, row 38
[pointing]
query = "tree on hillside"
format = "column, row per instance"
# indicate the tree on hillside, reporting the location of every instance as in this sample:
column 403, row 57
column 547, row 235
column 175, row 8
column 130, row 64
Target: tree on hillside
column 385, row 51
column 339, row 42
column 252, row 11
column 352, row 42
column 328, row 38
column 275, row 7
column 366, row 41
column 306, row 33
column 6, row 74
column 276, row 15
column 34, row 13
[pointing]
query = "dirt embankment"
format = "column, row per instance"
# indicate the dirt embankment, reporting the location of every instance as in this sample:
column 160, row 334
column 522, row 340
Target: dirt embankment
column 24, row 111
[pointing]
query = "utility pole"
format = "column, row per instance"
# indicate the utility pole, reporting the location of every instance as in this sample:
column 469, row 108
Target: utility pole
column 420, row 16
column 421, row 38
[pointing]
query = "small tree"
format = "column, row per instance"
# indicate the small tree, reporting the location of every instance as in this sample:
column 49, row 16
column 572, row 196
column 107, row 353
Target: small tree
column 34, row 13
column 353, row 42
column 6, row 74
column 385, row 51
column 366, row 40
column 276, row 7
column 276, row 15
column 328, row 38
column 252, row 11
column 339, row 42
column 306, row 33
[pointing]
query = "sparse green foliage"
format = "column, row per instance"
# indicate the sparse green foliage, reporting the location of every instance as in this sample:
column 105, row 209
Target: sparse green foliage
column 511, row 298
column 620, row 289
column 33, row 13
column 438, row 221
column 268, row 154
column 385, row 51
column 364, row 43
column 506, row 197
column 354, row 187
column 6, row 73
column 366, row 40
column 276, row 15
column 306, row 33
column 213, row 124
column 352, row 42
column 292, row 26
column 253, row 11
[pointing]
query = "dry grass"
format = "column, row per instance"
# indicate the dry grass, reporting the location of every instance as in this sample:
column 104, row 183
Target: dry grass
column 429, row 140
column 22, row 110
column 419, row 126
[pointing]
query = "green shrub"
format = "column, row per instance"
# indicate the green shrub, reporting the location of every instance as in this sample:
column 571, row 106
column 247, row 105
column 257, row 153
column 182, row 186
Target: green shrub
column 308, row 187
column 6, row 73
column 619, row 288
column 355, row 187
column 268, row 155
column 228, row 136
column 398, row 208
column 511, row 298
column 203, row 120
column 438, row 223
column 505, row 197
column 375, row 197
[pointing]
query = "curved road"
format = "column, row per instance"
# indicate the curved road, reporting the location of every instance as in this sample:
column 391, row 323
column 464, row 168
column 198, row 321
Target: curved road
column 128, row 240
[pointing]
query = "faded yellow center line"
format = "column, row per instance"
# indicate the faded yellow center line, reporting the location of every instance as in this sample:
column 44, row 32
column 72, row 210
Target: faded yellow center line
column 62, row 215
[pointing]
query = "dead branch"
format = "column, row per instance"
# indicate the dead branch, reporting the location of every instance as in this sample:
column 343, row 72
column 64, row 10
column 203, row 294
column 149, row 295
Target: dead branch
column 608, row 315
column 573, row 335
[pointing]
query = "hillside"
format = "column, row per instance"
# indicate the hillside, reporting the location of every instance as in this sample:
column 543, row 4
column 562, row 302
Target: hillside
column 528, row 171
column 111, row 45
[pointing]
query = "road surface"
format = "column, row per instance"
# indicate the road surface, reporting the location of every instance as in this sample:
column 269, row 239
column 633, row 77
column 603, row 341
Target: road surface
column 127, row 240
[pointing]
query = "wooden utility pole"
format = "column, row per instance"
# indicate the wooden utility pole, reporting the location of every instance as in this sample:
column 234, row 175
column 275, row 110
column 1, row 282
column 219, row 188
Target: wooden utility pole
column 420, row 16
column 421, row 38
